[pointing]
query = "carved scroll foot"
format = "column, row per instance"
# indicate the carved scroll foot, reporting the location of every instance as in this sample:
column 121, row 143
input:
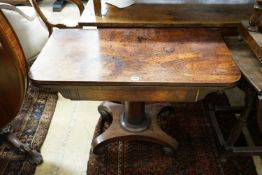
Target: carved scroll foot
column 34, row 156
column 105, row 112
column 116, row 131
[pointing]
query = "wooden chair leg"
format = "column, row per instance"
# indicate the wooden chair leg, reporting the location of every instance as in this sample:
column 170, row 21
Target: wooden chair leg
column 237, row 129
column 34, row 156
column 227, row 146
column 259, row 112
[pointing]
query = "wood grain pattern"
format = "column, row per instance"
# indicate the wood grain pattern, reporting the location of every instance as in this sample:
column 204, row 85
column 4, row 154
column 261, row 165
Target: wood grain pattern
column 135, row 65
column 16, row 2
column 160, row 57
column 253, row 39
column 172, row 64
column 166, row 15
column 250, row 68
column 246, row 61
column 134, row 93
column 13, row 73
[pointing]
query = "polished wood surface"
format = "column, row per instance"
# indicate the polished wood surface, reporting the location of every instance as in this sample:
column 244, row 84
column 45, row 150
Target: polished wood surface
column 135, row 66
column 13, row 86
column 16, row 2
column 13, row 73
column 133, row 58
column 250, row 68
column 152, row 133
column 253, row 39
column 165, row 15
column 246, row 61
column 249, row 57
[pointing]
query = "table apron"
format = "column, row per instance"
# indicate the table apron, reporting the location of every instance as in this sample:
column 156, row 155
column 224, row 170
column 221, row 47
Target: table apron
column 142, row 94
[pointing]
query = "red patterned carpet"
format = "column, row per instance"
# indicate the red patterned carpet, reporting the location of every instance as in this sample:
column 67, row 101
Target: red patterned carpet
column 197, row 153
column 30, row 126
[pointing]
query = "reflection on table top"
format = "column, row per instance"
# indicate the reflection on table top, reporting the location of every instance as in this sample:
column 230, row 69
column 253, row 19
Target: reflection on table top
column 126, row 57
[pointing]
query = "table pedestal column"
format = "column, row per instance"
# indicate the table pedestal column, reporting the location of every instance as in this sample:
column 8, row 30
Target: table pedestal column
column 134, row 119
column 131, row 122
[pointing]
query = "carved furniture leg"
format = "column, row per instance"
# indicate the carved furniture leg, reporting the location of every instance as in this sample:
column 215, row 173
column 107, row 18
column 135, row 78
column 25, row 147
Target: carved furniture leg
column 97, row 7
column 254, row 20
column 237, row 129
column 259, row 112
column 131, row 122
column 228, row 145
column 34, row 156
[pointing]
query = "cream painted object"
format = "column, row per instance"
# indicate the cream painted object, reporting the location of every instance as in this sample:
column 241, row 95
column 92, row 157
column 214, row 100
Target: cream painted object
column 120, row 3
column 32, row 34
column 67, row 145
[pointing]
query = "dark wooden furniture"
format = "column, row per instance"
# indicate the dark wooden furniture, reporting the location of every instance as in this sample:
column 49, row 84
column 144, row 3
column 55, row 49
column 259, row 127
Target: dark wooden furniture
column 13, row 75
column 13, row 84
column 249, row 66
column 225, row 17
column 135, row 66
column 156, row 14
column 247, row 54
column 49, row 25
column 16, row 2
column 252, row 38
column 252, row 68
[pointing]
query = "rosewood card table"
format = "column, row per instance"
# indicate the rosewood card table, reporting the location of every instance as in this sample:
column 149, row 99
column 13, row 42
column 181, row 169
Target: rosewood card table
column 135, row 66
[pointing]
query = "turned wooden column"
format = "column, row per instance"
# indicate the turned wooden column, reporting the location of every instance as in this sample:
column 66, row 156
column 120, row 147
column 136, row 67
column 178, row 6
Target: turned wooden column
column 135, row 112
column 134, row 118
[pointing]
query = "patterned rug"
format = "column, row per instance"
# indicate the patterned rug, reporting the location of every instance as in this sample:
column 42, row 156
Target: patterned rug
column 30, row 126
column 197, row 153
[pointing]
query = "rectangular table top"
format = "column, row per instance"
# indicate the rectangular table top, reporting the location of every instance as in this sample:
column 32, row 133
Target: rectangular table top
column 166, row 15
column 135, row 57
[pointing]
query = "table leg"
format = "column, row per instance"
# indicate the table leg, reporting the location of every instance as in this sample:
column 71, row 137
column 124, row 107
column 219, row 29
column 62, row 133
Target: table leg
column 259, row 112
column 33, row 156
column 132, row 122
column 97, row 7
column 237, row 129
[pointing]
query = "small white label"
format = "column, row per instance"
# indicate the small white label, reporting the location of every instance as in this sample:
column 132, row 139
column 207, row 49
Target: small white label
column 135, row 78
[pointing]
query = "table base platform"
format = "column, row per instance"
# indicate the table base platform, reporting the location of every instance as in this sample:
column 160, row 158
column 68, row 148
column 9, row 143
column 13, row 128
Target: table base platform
column 132, row 121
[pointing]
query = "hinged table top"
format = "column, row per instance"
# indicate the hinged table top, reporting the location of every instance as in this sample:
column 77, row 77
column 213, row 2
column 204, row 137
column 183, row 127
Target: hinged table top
column 126, row 57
